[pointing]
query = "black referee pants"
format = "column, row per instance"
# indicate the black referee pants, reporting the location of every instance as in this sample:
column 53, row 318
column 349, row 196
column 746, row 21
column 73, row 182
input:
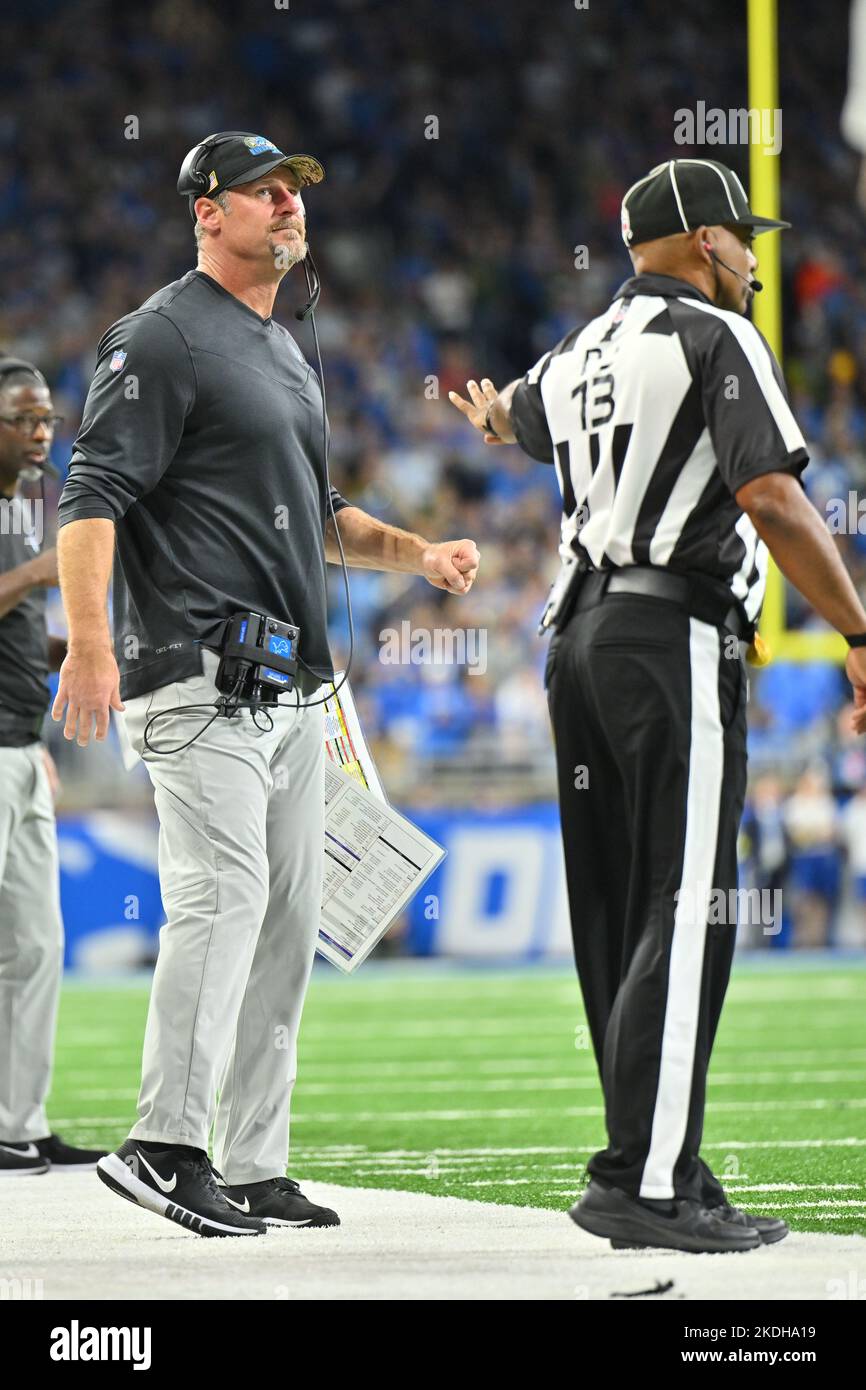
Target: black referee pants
column 649, row 719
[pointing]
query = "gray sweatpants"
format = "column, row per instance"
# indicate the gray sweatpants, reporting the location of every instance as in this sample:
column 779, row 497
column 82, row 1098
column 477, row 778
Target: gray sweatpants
column 31, row 942
column 241, row 854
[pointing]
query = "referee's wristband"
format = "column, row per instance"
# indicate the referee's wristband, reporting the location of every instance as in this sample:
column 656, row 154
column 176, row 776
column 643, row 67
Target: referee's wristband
column 855, row 639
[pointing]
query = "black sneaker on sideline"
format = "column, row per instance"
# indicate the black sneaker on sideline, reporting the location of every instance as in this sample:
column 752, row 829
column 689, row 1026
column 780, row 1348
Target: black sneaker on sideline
column 769, row 1228
column 21, row 1161
column 65, row 1159
column 278, row 1202
column 627, row 1222
column 177, row 1183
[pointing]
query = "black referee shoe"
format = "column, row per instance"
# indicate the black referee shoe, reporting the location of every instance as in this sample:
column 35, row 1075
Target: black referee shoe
column 769, row 1228
column 626, row 1222
column 177, row 1183
column 279, row 1202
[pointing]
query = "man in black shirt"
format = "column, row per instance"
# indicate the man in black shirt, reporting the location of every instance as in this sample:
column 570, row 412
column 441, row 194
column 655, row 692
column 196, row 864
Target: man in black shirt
column 201, row 451
column 31, row 930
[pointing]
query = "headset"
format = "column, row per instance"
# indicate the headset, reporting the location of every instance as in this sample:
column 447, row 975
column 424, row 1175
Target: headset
column 191, row 179
column 754, row 285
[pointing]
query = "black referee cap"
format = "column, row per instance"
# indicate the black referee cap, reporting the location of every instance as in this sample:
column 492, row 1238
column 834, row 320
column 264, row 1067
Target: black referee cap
column 686, row 193
column 231, row 157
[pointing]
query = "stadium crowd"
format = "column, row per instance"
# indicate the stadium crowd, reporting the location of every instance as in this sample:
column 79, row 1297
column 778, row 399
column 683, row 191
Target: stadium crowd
column 469, row 155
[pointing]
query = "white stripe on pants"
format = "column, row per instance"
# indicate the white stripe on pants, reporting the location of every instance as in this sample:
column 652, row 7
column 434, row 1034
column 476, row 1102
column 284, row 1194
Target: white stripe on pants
column 241, row 853
column 31, row 942
column 706, row 763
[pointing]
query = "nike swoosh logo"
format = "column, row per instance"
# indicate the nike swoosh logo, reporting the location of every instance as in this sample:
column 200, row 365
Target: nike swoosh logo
column 27, row 1151
column 241, row 1206
column 160, row 1182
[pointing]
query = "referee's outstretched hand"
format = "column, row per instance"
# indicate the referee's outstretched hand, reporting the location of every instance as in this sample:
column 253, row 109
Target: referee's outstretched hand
column 855, row 668
column 88, row 688
column 476, row 410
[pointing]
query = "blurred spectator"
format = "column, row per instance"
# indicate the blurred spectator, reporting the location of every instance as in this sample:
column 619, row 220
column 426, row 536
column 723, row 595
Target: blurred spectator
column 854, row 838
column 811, row 824
column 766, row 853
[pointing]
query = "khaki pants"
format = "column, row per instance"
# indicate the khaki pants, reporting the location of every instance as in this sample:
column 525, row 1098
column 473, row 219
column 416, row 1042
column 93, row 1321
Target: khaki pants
column 31, row 942
column 241, row 853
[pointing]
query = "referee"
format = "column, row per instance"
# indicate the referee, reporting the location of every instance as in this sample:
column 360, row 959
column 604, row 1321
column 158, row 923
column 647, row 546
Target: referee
column 201, row 455
column 679, row 463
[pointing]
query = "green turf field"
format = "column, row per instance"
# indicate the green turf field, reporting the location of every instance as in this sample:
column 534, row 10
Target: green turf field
column 482, row 1085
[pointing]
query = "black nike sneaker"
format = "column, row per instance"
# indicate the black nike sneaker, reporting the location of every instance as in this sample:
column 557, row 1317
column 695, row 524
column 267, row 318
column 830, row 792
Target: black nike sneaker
column 279, row 1202
column 21, row 1161
column 63, row 1158
column 627, row 1222
column 177, row 1183
column 769, row 1228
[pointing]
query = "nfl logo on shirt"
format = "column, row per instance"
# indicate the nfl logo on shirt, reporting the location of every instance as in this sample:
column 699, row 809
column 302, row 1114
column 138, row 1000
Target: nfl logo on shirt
column 117, row 360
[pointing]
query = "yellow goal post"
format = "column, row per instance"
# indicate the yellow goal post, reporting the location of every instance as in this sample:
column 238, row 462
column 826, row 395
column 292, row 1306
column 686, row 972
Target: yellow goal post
column 785, row 643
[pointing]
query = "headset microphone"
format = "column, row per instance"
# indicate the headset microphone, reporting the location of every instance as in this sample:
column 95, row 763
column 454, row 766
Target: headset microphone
column 314, row 287
column 752, row 284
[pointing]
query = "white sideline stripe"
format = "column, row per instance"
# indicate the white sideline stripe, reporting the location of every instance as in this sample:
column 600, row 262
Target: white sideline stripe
column 394, row 1246
column 703, row 798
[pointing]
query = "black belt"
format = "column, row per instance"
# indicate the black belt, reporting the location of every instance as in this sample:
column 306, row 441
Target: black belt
column 672, row 588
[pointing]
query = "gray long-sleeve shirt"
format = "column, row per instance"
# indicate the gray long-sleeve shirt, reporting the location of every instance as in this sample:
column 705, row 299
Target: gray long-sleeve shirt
column 202, row 441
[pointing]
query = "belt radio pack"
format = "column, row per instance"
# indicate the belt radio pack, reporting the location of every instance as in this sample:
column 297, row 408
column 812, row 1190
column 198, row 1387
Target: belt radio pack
column 259, row 658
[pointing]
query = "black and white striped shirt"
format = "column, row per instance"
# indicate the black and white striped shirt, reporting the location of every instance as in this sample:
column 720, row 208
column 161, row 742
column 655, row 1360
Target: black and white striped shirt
column 654, row 415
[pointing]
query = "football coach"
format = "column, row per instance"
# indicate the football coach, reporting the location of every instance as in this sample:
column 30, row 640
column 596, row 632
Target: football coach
column 679, row 463
column 202, row 426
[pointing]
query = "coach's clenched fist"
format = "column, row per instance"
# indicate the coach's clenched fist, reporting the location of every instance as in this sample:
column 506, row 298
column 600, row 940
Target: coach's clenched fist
column 451, row 565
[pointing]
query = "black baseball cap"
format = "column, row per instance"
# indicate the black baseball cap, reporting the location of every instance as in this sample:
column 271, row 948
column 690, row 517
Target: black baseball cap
column 686, row 193
column 231, row 157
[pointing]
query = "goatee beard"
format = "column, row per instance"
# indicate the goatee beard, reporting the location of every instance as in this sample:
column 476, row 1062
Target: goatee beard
column 287, row 256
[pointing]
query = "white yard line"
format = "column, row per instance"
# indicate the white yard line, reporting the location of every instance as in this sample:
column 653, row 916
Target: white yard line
column 508, row 1083
column 348, row 1150
column 82, row 1242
